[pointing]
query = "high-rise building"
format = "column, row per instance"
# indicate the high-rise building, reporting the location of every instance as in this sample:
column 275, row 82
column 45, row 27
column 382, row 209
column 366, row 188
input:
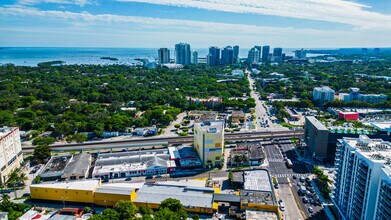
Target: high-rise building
column 265, row 53
column 362, row 179
column 253, row 56
column 227, row 56
column 209, row 142
column 301, row 54
column 323, row 94
column 259, row 48
column 316, row 136
column 277, row 54
column 163, row 55
column 194, row 57
column 10, row 152
column 182, row 53
column 213, row 58
column 236, row 54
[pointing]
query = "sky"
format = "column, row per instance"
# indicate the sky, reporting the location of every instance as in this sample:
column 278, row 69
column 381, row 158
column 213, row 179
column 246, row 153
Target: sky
column 202, row 23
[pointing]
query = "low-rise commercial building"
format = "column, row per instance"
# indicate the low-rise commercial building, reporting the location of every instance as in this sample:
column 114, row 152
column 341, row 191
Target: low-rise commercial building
column 351, row 116
column 133, row 163
column 194, row 199
column 69, row 167
column 10, row 152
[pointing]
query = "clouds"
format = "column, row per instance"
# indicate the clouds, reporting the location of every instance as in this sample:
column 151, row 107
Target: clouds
column 339, row 11
column 36, row 2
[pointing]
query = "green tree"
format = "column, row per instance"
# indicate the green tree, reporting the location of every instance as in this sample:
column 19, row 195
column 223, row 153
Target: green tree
column 177, row 126
column 125, row 209
column 43, row 141
column 42, row 153
column 171, row 209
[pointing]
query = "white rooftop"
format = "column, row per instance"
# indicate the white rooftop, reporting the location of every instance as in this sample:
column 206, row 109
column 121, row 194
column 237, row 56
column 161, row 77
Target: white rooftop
column 375, row 150
column 382, row 125
column 90, row 184
column 188, row 196
column 257, row 180
column 210, row 126
column 4, row 131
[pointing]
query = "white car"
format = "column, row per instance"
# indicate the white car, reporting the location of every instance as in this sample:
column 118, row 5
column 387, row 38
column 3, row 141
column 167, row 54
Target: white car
column 281, row 204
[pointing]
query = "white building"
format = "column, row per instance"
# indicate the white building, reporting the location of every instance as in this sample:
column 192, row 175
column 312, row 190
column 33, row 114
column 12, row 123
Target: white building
column 362, row 181
column 10, row 151
column 209, row 142
column 354, row 95
column 323, row 94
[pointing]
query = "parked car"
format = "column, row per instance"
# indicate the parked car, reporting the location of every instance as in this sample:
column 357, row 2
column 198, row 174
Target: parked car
column 305, row 200
column 302, row 179
column 128, row 179
column 281, row 204
column 276, row 186
column 310, row 210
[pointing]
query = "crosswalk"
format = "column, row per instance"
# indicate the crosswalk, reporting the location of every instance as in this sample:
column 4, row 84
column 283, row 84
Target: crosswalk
column 289, row 175
column 282, row 160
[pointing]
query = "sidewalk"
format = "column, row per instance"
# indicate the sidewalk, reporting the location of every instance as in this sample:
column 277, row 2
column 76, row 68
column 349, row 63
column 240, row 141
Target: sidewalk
column 322, row 200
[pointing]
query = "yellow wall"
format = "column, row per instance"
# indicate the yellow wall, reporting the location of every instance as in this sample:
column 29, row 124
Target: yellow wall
column 67, row 195
column 105, row 199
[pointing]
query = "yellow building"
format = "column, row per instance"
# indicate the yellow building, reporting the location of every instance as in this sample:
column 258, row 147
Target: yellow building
column 209, row 142
column 71, row 191
column 110, row 194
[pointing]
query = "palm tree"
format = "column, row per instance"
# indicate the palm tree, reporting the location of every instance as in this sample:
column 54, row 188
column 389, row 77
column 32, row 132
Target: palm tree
column 22, row 178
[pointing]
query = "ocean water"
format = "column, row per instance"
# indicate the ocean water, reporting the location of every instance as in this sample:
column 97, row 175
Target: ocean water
column 31, row 56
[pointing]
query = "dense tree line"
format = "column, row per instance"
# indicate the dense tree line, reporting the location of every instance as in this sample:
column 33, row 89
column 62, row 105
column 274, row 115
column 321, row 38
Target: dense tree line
column 79, row 98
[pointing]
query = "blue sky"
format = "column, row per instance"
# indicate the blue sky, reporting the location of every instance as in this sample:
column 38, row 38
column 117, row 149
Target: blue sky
column 162, row 23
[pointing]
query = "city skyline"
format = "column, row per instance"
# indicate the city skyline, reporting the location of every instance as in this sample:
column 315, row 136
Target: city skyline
column 137, row 23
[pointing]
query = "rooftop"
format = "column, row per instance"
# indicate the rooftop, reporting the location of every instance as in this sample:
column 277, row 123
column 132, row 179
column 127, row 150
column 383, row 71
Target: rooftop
column 132, row 160
column 210, row 126
column 118, row 188
column 254, row 149
column 5, row 131
column 257, row 197
column 375, row 150
column 316, row 123
column 382, row 125
column 323, row 88
column 79, row 164
column 260, row 215
column 89, row 184
column 55, row 166
column 188, row 196
column 257, row 180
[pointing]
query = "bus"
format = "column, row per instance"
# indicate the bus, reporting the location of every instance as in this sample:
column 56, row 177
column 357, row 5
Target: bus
column 289, row 163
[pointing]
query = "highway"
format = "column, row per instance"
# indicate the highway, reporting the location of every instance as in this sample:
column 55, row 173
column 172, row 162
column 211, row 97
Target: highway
column 138, row 142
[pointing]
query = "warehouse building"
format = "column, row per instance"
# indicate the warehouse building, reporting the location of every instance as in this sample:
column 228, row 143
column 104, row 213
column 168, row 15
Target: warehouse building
column 194, row 199
column 133, row 163
column 110, row 194
column 71, row 167
column 185, row 157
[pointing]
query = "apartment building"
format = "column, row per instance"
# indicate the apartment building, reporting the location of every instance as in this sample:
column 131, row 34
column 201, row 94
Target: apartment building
column 362, row 180
column 10, row 151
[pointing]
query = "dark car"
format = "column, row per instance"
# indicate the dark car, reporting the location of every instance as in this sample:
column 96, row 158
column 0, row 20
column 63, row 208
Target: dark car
column 148, row 177
column 128, row 179
column 276, row 186
column 294, row 177
column 105, row 180
column 305, row 200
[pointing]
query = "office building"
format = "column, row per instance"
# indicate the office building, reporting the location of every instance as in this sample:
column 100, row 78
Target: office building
column 259, row 48
column 265, row 53
column 227, row 56
column 236, row 54
column 163, row 55
column 213, row 58
column 322, row 95
column 354, row 95
column 10, row 152
column 182, row 53
column 301, row 54
column 209, row 142
column 316, row 136
column 253, row 56
column 362, row 180
column 194, row 59
column 277, row 54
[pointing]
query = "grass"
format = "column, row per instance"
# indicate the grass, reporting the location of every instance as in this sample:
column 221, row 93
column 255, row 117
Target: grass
column 274, row 180
column 289, row 125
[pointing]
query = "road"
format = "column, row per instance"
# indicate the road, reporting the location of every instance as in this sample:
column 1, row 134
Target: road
column 170, row 130
column 260, row 110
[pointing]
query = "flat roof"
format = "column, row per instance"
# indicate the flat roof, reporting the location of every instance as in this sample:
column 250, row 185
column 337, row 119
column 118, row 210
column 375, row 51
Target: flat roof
column 315, row 122
column 210, row 126
column 184, row 182
column 89, row 184
column 55, row 166
column 257, row 180
column 119, row 188
column 222, row 197
column 132, row 160
column 257, row 197
column 79, row 164
column 375, row 150
column 188, row 196
column 383, row 126
column 260, row 215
